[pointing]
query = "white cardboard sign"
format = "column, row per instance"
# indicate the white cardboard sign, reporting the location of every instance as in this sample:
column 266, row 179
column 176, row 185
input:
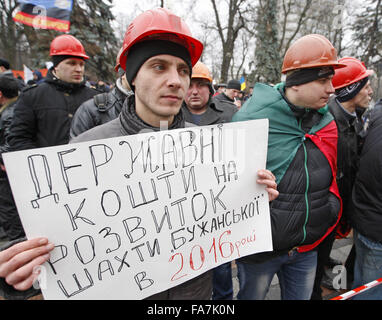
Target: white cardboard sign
column 135, row 215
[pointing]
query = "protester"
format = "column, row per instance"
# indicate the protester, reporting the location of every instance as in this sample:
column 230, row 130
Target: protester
column 37, row 76
column 352, row 97
column 44, row 112
column 365, row 214
column 198, row 107
column 302, row 150
column 102, row 107
column 9, row 218
column 228, row 98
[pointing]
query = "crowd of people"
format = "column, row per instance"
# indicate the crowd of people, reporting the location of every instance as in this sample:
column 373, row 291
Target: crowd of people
column 323, row 168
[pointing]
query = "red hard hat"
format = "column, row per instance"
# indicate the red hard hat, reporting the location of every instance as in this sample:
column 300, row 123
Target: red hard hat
column 160, row 24
column 311, row 51
column 118, row 63
column 67, row 45
column 354, row 71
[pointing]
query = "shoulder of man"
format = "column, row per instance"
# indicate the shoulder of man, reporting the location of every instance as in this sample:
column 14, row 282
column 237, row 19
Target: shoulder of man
column 28, row 88
column 107, row 130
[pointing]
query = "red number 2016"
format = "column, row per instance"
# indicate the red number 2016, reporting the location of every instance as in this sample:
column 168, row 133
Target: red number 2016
column 216, row 249
column 178, row 275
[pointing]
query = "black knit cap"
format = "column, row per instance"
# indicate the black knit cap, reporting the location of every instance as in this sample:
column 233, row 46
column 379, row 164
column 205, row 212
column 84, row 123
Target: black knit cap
column 58, row 59
column 302, row 76
column 234, row 84
column 349, row 92
column 142, row 51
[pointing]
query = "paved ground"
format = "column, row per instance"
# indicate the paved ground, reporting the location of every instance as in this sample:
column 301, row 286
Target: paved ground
column 341, row 249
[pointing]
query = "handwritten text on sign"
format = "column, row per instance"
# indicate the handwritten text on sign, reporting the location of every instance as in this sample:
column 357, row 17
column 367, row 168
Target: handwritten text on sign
column 133, row 216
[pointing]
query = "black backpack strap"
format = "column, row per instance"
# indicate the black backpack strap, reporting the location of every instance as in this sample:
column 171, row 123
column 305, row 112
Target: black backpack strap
column 100, row 101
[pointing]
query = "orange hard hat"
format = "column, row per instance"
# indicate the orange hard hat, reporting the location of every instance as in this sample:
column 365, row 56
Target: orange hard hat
column 201, row 71
column 160, row 24
column 354, row 71
column 311, row 51
column 67, row 45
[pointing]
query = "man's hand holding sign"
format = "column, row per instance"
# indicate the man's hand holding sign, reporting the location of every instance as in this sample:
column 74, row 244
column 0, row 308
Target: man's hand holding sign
column 135, row 215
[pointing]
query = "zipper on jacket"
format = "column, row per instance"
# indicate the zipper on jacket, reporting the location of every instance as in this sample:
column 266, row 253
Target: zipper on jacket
column 306, row 191
column 307, row 184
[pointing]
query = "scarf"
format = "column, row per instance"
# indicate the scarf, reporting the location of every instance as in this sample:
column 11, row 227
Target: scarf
column 132, row 124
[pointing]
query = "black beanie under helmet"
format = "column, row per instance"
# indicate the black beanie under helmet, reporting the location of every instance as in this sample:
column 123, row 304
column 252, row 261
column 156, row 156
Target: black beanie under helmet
column 142, row 51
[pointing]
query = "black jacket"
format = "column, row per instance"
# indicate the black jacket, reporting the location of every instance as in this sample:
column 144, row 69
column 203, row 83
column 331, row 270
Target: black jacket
column 215, row 113
column 348, row 151
column 366, row 214
column 100, row 109
column 44, row 112
column 9, row 218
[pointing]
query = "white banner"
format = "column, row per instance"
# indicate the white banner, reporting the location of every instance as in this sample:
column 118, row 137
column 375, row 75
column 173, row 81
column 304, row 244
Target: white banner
column 28, row 74
column 133, row 216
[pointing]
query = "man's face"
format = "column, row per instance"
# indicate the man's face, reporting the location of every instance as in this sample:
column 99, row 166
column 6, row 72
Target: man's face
column 198, row 95
column 363, row 98
column 232, row 93
column 314, row 94
column 71, row 70
column 160, row 88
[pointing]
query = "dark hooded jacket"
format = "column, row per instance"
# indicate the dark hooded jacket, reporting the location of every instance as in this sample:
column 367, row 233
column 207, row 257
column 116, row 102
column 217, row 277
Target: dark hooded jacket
column 350, row 131
column 366, row 213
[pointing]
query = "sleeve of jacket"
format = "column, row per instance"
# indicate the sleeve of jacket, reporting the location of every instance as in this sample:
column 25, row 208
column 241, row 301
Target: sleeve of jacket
column 7, row 120
column 85, row 118
column 23, row 128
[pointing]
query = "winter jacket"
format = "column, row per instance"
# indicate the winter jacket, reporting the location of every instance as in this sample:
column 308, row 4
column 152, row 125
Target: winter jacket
column 44, row 112
column 224, row 102
column 349, row 144
column 6, row 116
column 215, row 113
column 128, row 123
column 100, row 109
column 366, row 213
column 302, row 150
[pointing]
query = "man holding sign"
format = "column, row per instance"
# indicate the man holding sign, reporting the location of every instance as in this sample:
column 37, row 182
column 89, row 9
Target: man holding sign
column 159, row 60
